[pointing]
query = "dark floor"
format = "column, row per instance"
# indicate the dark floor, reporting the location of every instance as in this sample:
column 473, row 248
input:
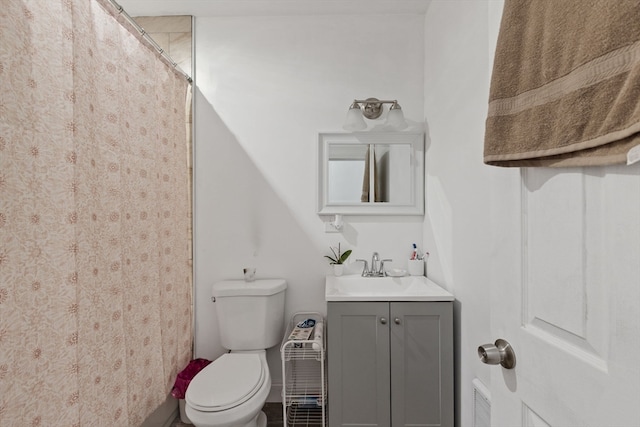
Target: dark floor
column 272, row 410
column 274, row 414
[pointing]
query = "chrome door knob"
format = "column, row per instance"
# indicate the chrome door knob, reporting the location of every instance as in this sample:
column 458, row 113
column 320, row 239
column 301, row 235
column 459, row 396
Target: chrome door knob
column 396, row 320
column 383, row 320
column 500, row 352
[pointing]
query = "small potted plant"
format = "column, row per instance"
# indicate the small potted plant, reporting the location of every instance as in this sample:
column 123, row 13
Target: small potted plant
column 338, row 259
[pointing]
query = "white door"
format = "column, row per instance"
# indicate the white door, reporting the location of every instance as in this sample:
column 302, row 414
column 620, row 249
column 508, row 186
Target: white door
column 566, row 296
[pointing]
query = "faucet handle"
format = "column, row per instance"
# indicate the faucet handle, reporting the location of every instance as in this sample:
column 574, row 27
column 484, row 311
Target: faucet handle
column 381, row 271
column 365, row 270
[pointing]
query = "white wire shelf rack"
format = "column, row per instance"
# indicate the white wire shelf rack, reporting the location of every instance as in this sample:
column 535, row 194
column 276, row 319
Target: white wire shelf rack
column 301, row 415
column 304, row 391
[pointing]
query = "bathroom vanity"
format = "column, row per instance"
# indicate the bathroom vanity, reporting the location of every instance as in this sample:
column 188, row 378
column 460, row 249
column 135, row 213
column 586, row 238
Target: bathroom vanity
column 390, row 352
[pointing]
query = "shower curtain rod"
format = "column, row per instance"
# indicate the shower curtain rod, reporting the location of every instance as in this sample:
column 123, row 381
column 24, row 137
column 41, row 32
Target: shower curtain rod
column 147, row 37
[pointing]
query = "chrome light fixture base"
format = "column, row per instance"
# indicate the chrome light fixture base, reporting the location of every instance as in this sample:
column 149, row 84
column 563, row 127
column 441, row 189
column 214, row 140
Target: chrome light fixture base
column 372, row 108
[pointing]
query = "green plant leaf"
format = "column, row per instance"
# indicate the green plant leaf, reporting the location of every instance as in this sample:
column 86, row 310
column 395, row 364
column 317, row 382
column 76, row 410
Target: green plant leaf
column 338, row 257
column 333, row 260
column 344, row 256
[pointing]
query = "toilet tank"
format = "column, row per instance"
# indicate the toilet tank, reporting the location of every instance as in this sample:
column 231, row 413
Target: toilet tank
column 250, row 314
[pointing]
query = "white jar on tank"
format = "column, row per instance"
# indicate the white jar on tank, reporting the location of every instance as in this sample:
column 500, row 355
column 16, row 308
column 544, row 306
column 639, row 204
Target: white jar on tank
column 232, row 390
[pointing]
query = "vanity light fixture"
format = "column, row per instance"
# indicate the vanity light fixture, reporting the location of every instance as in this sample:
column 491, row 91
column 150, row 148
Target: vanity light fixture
column 372, row 108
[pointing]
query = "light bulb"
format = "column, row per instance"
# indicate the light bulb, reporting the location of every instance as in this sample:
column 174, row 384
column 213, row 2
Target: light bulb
column 354, row 119
column 395, row 118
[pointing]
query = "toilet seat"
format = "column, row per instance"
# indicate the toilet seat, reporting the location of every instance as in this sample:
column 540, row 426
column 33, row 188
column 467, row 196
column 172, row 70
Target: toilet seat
column 229, row 381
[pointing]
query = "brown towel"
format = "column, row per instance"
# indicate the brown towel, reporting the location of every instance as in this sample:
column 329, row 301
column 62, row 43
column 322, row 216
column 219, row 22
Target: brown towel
column 366, row 190
column 565, row 89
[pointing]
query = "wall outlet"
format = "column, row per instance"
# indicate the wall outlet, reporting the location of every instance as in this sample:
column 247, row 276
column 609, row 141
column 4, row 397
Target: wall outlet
column 329, row 227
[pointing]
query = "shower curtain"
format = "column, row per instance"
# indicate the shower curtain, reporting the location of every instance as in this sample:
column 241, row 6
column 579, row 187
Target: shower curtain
column 95, row 281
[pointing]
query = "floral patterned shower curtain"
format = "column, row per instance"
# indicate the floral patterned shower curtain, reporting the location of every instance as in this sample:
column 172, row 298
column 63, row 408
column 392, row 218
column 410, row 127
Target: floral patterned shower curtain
column 95, row 282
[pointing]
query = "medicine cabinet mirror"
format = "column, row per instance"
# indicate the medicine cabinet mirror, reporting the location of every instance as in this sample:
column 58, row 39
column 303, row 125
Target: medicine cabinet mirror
column 367, row 173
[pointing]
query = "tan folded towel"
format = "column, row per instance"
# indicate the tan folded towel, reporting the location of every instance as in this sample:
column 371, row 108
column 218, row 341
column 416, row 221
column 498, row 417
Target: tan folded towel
column 366, row 189
column 565, row 88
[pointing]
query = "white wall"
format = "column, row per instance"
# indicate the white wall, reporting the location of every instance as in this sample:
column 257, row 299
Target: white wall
column 459, row 44
column 265, row 87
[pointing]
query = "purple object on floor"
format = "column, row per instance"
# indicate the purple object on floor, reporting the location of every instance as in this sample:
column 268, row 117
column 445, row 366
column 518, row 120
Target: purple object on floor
column 186, row 375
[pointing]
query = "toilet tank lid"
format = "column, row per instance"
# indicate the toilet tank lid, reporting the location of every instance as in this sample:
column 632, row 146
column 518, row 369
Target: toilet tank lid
column 262, row 287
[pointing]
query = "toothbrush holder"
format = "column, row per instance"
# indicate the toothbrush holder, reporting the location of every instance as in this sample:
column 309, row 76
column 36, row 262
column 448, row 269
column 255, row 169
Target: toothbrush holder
column 416, row 267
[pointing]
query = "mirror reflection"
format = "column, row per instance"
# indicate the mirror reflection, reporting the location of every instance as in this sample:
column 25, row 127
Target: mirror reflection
column 369, row 173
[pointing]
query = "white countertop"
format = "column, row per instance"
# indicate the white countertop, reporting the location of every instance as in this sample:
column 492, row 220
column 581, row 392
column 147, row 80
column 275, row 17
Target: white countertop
column 408, row 288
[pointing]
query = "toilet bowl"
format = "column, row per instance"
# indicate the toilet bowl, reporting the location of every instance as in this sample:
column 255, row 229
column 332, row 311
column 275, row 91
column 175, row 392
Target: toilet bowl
column 230, row 391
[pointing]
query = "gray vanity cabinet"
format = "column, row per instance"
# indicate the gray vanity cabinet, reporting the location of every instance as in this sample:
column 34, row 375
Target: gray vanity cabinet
column 390, row 364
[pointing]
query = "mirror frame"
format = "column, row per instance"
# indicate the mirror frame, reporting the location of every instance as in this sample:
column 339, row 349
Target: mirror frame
column 415, row 139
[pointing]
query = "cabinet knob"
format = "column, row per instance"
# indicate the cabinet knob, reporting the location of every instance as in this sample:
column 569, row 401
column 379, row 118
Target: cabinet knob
column 396, row 321
column 383, row 320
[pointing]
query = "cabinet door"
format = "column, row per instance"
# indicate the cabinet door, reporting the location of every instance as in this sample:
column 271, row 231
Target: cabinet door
column 358, row 364
column 421, row 364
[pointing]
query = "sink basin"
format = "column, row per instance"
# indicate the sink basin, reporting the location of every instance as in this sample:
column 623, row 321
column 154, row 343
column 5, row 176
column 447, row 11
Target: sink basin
column 358, row 288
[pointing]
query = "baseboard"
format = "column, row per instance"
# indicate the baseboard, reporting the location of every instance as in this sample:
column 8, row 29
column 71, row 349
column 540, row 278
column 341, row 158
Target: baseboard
column 174, row 416
column 164, row 415
column 275, row 394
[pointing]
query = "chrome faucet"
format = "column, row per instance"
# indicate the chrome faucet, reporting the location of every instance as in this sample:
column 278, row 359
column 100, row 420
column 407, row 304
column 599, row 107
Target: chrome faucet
column 377, row 266
column 375, row 259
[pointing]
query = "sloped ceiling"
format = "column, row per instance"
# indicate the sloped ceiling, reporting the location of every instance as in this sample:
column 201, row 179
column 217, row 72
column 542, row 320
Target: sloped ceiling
column 272, row 7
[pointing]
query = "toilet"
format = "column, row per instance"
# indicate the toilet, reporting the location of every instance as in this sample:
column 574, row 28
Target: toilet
column 231, row 391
